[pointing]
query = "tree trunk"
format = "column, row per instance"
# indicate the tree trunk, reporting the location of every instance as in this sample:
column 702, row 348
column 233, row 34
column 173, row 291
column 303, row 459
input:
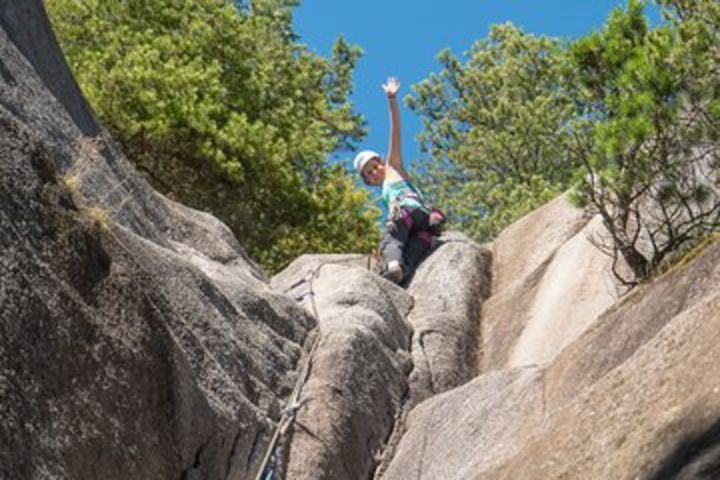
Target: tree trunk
column 635, row 260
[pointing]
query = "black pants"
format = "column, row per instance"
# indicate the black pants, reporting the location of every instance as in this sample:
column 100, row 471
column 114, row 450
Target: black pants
column 407, row 239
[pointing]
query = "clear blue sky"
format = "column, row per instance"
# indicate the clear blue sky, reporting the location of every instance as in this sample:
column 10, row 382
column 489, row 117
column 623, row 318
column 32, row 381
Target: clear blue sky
column 402, row 37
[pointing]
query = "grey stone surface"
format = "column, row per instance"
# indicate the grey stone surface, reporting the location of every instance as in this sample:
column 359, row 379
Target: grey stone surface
column 358, row 387
column 524, row 246
column 137, row 339
column 629, row 324
column 635, row 396
column 448, row 289
column 27, row 25
column 575, row 288
column 464, row 432
column 653, row 417
column 93, row 382
column 358, row 375
column 294, row 280
column 549, row 284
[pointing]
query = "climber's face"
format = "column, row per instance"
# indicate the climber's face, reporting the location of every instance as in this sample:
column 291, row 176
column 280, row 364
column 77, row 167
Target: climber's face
column 374, row 171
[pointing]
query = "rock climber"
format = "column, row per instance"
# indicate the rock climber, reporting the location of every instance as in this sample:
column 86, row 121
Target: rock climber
column 411, row 223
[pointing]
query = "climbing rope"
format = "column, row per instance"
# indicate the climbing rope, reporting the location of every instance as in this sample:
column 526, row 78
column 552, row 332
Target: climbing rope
column 287, row 416
column 295, row 402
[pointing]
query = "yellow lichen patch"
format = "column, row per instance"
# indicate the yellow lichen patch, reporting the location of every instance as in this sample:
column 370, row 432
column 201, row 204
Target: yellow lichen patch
column 71, row 182
column 99, row 216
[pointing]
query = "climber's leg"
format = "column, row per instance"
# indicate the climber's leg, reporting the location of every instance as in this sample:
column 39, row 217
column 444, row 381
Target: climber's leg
column 419, row 243
column 392, row 245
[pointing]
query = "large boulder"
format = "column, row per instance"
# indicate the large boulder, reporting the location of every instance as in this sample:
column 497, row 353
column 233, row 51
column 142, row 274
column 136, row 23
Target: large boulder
column 358, row 374
column 528, row 243
column 655, row 416
column 469, row 430
column 381, row 351
column 627, row 326
column 94, row 381
column 449, row 289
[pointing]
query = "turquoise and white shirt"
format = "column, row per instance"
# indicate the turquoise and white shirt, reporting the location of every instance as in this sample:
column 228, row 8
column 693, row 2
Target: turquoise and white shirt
column 402, row 193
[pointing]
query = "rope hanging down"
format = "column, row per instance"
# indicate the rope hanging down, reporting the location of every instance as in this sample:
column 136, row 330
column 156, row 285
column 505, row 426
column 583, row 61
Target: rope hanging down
column 288, row 413
column 295, row 402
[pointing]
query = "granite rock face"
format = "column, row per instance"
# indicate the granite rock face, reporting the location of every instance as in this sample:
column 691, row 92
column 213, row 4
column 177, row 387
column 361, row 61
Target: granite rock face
column 549, row 284
column 136, row 338
column 466, row 431
column 358, row 375
column 28, row 28
column 365, row 373
column 633, row 395
column 654, row 416
column 449, row 289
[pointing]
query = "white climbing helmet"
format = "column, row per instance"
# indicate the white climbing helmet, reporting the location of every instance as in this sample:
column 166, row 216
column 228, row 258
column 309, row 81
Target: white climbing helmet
column 362, row 158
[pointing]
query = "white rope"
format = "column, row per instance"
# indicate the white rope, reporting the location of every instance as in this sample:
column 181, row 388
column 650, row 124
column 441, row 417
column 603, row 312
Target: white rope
column 294, row 402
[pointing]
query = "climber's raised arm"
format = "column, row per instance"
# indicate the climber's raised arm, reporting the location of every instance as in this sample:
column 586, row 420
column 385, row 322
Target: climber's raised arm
column 411, row 222
column 394, row 159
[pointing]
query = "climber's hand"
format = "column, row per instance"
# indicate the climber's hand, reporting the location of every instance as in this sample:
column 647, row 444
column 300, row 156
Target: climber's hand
column 391, row 87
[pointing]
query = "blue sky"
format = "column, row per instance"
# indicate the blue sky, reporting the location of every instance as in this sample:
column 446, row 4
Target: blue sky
column 402, row 37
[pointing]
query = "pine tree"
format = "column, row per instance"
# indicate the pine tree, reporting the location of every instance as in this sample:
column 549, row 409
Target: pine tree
column 223, row 110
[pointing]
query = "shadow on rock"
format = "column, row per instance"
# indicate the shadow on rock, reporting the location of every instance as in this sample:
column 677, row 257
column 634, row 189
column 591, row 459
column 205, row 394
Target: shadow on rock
column 697, row 457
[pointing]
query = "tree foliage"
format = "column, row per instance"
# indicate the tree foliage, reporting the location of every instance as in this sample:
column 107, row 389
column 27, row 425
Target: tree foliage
column 650, row 168
column 225, row 111
column 627, row 115
column 494, row 129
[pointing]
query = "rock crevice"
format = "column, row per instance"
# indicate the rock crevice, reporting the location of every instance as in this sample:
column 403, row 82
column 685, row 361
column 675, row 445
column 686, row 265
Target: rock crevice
column 373, row 363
